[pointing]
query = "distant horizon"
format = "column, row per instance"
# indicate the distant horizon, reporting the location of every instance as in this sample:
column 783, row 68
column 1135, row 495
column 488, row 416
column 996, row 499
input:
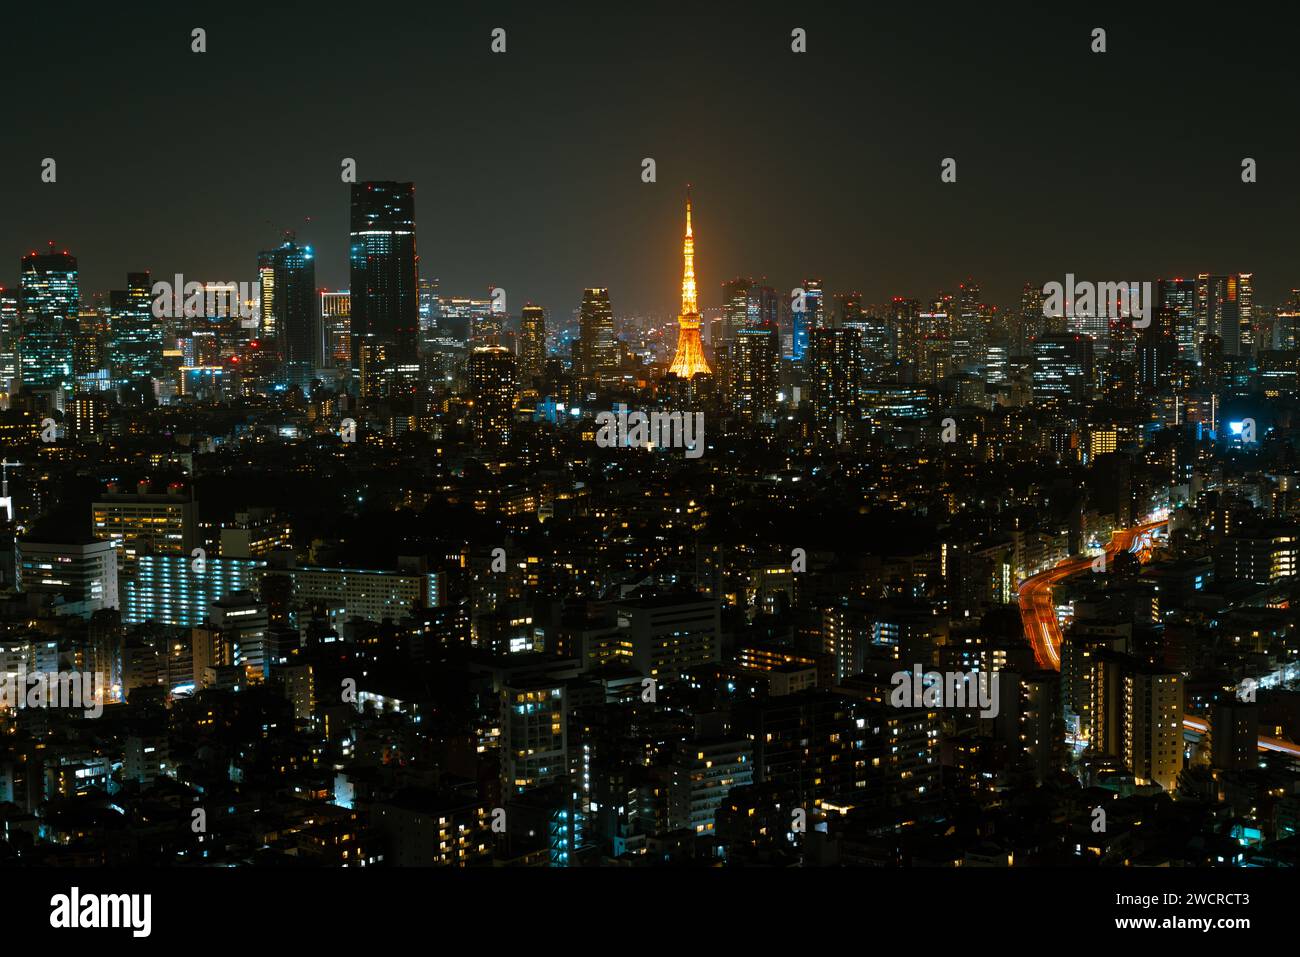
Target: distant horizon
column 825, row 163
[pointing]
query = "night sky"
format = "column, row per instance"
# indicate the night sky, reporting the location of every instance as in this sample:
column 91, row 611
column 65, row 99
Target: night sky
column 1121, row 166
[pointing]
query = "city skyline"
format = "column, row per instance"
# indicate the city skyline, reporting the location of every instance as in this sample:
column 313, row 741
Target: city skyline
column 780, row 198
column 768, row 441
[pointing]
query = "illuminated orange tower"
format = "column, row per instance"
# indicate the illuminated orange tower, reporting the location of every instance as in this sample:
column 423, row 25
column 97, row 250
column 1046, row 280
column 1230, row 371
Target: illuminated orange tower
column 689, row 359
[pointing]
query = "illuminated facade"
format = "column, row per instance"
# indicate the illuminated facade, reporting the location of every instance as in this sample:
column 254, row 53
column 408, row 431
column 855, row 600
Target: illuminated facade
column 384, row 301
column 168, row 589
column 689, row 360
column 288, row 275
column 492, row 374
column 50, row 301
column 144, row 523
column 135, row 336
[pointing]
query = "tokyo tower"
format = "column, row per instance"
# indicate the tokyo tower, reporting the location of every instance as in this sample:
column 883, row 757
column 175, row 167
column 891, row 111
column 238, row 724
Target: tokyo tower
column 689, row 359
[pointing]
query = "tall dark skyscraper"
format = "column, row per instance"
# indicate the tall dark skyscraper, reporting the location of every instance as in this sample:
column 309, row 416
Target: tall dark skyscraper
column 805, row 320
column 835, row 380
column 384, row 269
column 135, row 335
column 755, row 373
column 9, row 327
column 968, row 331
column 1062, row 367
column 1157, row 350
column 598, row 346
column 532, row 342
column 1225, row 308
column 291, row 271
column 492, row 372
column 49, row 303
column 1179, row 296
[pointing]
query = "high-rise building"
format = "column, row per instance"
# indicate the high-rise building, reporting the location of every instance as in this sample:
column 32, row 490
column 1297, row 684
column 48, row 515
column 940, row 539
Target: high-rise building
column 336, row 329
column 384, row 269
column 1032, row 323
column 49, row 303
column 10, row 327
column 532, row 343
column 135, row 336
column 1138, row 717
column 668, row 634
column 754, row 373
column 735, row 307
column 289, row 281
column 492, row 373
column 171, row 590
column 82, row 573
column 1179, row 297
column 1234, row 735
column 597, row 345
column 1225, row 308
column 1062, row 367
column 144, row 523
column 369, row 593
column 806, row 314
column 1157, row 350
column 429, row 309
column 243, row 623
column 905, row 325
column 689, row 361
column 969, row 331
column 835, row 381
column 534, row 735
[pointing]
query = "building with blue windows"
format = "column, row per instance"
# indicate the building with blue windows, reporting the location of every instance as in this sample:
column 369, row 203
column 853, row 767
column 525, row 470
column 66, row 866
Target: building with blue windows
column 178, row 590
column 49, row 302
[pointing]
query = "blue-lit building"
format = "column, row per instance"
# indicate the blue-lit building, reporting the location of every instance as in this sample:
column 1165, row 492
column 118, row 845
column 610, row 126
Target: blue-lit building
column 288, row 281
column 135, row 346
column 806, row 319
column 49, row 303
column 172, row 590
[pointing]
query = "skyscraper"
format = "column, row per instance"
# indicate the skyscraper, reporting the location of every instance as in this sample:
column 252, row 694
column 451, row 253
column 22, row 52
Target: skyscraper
column 968, row 332
column 689, row 359
column 597, row 345
column 1157, row 350
column 49, row 303
column 336, row 329
column 532, row 349
column 1225, row 308
column 754, row 373
column 289, row 277
column 1180, row 298
column 135, row 336
column 492, row 385
column 835, row 377
column 1138, row 717
column 1062, row 367
column 9, row 331
column 806, row 315
column 384, row 269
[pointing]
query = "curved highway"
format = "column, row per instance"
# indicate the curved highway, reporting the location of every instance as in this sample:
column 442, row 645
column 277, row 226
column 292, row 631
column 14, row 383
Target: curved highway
column 1038, row 615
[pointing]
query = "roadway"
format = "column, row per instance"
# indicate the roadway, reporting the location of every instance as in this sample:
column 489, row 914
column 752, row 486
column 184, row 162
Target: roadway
column 1038, row 614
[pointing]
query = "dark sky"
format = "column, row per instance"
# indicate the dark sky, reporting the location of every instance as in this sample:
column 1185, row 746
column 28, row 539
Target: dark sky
column 1121, row 166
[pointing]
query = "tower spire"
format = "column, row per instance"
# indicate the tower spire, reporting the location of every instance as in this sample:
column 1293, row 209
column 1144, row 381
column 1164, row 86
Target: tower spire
column 690, row 300
column 689, row 358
